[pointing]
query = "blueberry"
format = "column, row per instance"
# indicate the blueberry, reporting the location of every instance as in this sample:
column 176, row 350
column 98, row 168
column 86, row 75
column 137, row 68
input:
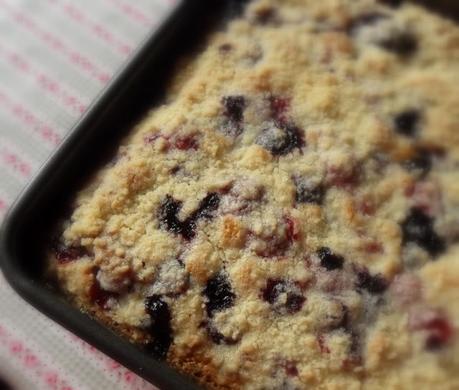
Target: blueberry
column 294, row 303
column 219, row 294
column 160, row 327
column 275, row 287
column 158, row 310
column 234, row 107
column 404, row 44
column 169, row 209
column 281, row 140
column 419, row 228
column 329, row 260
column 407, row 122
column 167, row 215
column 306, row 192
column 374, row 284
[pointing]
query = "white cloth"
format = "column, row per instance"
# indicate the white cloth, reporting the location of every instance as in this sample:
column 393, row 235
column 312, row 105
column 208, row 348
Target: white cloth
column 55, row 56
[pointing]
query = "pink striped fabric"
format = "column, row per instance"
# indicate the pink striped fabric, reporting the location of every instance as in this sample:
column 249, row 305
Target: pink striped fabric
column 55, row 56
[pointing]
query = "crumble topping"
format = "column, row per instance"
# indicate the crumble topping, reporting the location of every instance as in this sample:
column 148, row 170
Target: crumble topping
column 289, row 219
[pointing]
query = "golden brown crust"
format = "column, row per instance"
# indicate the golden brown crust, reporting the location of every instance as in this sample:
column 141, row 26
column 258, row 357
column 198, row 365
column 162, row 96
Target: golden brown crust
column 290, row 217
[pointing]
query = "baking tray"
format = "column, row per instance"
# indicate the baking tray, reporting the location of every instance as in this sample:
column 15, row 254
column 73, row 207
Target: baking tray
column 138, row 86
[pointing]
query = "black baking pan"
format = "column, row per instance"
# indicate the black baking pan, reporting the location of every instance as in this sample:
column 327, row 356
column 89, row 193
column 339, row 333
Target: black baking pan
column 93, row 141
column 138, row 86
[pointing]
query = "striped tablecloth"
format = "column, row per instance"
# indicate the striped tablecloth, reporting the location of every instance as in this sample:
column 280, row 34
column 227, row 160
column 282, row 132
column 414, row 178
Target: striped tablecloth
column 55, row 56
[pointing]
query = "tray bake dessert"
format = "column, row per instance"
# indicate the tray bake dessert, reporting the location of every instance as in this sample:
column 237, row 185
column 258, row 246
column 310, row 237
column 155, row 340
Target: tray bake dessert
column 289, row 217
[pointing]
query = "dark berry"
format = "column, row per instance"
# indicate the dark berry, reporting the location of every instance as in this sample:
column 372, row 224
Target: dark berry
column 330, row 261
column 281, row 141
column 219, row 294
column 189, row 229
column 234, row 107
column 419, row 228
column 307, row 192
column 365, row 19
column 273, row 290
column 167, row 215
column 158, row 310
column 404, row 44
column 391, row 3
column 407, row 122
column 169, row 209
column 294, row 303
column 420, row 163
column 65, row 254
column 374, row 284
column 160, row 327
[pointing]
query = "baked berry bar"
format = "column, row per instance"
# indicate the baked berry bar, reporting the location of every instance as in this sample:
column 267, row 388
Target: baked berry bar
column 289, row 217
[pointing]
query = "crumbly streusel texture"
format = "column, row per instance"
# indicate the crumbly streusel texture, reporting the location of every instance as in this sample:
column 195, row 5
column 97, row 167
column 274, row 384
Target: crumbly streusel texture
column 289, row 218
